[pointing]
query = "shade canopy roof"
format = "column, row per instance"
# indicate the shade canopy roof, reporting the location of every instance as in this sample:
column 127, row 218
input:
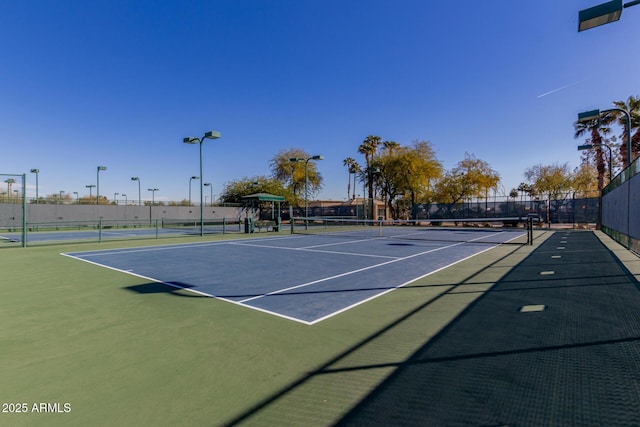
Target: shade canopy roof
column 263, row 197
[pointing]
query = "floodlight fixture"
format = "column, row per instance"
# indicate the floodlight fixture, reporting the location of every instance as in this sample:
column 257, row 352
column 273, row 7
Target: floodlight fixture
column 595, row 114
column 135, row 178
column 587, row 116
column 100, row 168
column 90, row 186
column 36, row 171
column 153, row 195
column 599, row 15
column 208, row 184
column 602, row 14
column 191, row 179
column 212, row 134
column 590, row 146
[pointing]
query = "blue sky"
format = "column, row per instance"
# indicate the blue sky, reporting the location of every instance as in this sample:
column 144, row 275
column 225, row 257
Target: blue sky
column 120, row 83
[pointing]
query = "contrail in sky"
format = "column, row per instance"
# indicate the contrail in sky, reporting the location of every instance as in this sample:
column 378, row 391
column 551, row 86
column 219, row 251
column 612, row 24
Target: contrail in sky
column 561, row 88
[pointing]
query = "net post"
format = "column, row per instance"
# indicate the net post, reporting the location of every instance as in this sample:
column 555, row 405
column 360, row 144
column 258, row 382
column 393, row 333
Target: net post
column 291, row 218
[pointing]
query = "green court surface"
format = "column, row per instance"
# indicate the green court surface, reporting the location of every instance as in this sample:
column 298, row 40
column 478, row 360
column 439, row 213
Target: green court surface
column 100, row 347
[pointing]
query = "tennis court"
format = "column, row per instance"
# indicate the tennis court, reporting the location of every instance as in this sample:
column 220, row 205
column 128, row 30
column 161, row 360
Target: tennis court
column 306, row 278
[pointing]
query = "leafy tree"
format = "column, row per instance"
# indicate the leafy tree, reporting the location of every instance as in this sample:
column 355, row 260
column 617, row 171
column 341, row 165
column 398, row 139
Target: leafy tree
column 292, row 174
column 471, row 177
column 87, row 200
column 406, row 172
column 553, row 180
column 56, row 199
column 584, row 179
column 235, row 190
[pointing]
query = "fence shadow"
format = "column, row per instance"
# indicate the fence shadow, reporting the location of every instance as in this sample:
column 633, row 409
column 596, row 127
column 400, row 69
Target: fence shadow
column 171, row 288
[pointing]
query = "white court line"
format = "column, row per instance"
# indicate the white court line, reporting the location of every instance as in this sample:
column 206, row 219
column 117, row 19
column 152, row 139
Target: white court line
column 138, row 275
column 167, row 247
column 342, row 310
column 241, row 303
column 204, row 294
column 304, row 249
column 279, row 291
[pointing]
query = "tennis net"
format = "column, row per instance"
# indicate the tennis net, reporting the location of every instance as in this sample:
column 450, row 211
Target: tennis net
column 478, row 230
column 210, row 226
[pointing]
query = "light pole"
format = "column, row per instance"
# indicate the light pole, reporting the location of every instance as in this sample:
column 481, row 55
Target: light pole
column 36, row 171
column 153, row 195
column 125, row 199
column 306, row 182
column 191, row 179
column 588, row 116
column 90, row 187
column 602, row 14
column 208, row 184
column 60, row 197
column 100, row 168
column 77, row 197
column 212, row 134
column 590, row 146
column 115, row 198
column 135, row 178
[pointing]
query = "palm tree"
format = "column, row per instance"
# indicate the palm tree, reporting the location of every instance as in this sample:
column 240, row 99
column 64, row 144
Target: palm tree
column 348, row 162
column 596, row 128
column 390, row 146
column 369, row 147
column 355, row 170
column 632, row 106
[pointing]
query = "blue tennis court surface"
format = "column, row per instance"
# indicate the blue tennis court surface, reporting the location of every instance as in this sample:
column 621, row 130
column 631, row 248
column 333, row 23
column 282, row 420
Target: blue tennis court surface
column 302, row 278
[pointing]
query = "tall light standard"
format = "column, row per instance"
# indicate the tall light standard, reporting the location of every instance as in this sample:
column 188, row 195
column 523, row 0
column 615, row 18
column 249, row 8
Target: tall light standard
column 135, row 178
column 212, row 134
column 77, row 197
column 208, row 184
column 125, row 199
column 153, row 195
column 115, row 198
column 100, row 168
column 590, row 146
column 191, row 179
column 90, row 187
column 306, row 181
column 588, row 116
column 36, row 171
column 60, row 197
column 602, row 14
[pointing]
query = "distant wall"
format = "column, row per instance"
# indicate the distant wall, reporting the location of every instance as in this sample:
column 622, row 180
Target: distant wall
column 11, row 214
column 621, row 208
